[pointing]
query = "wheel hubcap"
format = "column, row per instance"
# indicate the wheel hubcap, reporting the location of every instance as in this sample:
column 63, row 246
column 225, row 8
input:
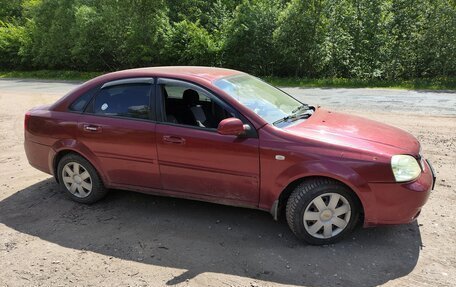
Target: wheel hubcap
column 77, row 179
column 327, row 215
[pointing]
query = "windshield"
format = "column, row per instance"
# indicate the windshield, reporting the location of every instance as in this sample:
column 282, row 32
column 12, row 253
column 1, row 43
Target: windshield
column 268, row 102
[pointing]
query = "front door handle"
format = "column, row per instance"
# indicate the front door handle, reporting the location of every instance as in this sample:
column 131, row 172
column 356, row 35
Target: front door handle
column 92, row 128
column 173, row 140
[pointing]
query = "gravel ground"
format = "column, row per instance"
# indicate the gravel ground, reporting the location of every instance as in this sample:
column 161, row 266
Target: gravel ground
column 132, row 239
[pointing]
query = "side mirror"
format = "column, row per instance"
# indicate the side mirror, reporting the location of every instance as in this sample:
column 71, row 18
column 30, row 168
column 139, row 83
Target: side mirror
column 231, row 126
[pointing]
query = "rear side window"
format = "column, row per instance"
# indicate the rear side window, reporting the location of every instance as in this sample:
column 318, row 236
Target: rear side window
column 80, row 103
column 129, row 100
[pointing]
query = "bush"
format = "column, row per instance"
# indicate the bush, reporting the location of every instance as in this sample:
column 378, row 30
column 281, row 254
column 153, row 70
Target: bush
column 11, row 40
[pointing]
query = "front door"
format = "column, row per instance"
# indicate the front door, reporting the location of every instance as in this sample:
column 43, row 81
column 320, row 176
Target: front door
column 194, row 158
column 118, row 128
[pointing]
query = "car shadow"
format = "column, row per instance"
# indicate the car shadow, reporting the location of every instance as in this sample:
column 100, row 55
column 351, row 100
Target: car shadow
column 201, row 237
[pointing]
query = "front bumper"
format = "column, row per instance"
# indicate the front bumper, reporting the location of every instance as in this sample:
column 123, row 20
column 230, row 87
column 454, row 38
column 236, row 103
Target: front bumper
column 399, row 203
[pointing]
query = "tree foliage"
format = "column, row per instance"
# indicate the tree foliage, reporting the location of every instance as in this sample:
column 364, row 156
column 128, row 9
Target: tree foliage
column 189, row 43
column 367, row 39
column 249, row 44
column 304, row 22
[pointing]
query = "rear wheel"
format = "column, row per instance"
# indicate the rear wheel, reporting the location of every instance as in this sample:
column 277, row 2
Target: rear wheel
column 79, row 179
column 322, row 211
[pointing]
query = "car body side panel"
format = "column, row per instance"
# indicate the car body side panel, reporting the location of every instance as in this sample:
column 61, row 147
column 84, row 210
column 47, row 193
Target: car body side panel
column 305, row 158
column 126, row 149
column 45, row 126
column 45, row 129
column 369, row 175
column 72, row 145
column 278, row 174
column 38, row 155
column 209, row 164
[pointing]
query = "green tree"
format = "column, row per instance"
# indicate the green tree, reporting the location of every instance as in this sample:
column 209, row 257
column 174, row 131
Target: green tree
column 86, row 52
column 300, row 38
column 10, row 9
column 49, row 30
column 407, row 19
column 188, row 43
column 11, row 41
column 437, row 56
column 370, row 38
column 384, row 39
column 133, row 31
column 339, row 44
column 249, row 43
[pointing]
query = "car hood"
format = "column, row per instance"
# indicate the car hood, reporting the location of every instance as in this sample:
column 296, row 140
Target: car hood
column 355, row 132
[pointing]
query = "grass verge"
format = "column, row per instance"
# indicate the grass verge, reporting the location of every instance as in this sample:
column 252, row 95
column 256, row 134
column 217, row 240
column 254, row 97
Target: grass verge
column 443, row 83
column 50, row 75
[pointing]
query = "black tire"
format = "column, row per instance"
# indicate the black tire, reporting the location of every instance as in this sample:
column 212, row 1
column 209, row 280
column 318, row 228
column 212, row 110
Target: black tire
column 97, row 192
column 301, row 199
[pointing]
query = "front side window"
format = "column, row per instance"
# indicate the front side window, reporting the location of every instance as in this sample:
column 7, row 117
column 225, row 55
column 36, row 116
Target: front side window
column 128, row 100
column 189, row 105
column 268, row 102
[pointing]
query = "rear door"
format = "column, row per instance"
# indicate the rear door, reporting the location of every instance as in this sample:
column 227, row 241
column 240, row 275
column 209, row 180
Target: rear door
column 118, row 126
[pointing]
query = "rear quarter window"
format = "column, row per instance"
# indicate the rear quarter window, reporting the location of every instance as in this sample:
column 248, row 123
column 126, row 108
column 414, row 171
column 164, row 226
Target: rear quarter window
column 80, row 103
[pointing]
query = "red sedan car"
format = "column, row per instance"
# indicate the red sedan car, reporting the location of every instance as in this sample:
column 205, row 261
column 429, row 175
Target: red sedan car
column 227, row 137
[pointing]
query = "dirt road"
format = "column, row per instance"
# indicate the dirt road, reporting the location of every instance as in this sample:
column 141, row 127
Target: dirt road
column 131, row 239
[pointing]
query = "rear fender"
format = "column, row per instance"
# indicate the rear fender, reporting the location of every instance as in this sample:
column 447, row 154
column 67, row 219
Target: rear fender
column 79, row 148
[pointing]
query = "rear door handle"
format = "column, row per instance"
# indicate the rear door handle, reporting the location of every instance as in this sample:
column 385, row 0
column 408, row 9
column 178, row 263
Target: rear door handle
column 92, row 128
column 173, row 140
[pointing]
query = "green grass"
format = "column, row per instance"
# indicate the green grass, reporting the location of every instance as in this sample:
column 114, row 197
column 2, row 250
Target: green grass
column 50, row 75
column 416, row 84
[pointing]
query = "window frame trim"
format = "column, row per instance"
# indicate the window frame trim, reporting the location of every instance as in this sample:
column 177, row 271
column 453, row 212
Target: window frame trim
column 88, row 110
column 126, row 81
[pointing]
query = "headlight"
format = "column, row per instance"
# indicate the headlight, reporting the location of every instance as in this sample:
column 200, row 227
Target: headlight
column 405, row 167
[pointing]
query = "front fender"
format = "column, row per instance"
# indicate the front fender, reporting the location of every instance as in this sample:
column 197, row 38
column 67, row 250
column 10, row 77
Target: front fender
column 317, row 168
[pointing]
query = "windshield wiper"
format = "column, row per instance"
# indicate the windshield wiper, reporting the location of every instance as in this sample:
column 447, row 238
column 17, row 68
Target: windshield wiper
column 301, row 107
column 294, row 117
column 307, row 111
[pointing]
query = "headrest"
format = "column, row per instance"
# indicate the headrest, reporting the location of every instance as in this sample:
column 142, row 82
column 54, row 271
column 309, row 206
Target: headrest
column 190, row 97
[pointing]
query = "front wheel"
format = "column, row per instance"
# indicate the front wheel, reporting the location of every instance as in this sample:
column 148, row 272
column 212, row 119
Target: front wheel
column 322, row 211
column 79, row 179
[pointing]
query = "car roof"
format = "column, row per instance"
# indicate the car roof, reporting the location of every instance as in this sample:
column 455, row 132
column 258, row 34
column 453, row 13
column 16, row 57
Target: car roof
column 209, row 74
